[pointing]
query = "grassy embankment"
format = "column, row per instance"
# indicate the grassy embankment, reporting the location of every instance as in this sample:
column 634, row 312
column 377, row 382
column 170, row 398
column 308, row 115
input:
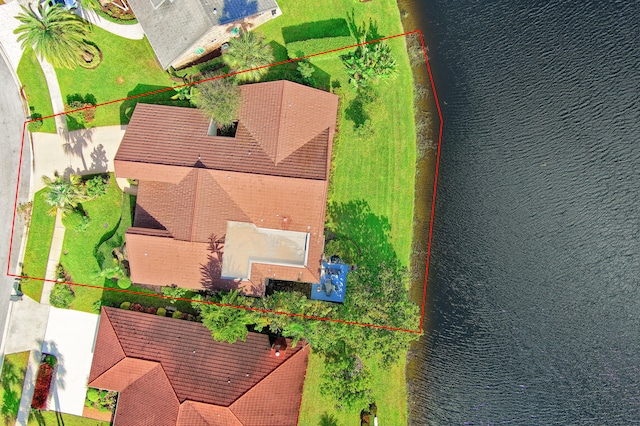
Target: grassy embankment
column 38, row 245
column 11, row 380
column 379, row 169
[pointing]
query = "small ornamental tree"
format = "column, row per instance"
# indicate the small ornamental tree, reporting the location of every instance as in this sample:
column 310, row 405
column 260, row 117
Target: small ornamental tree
column 43, row 383
column 63, row 195
column 219, row 99
column 370, row 63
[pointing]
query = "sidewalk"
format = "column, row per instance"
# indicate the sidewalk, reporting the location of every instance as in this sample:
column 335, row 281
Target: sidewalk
column 55, row 93
column 130, row 31
column 53, row 260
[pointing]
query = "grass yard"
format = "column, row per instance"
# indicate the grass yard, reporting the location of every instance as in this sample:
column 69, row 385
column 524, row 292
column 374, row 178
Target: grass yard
column 36, row 89
column 377, row 166
column 128, row 68
column 52, row 418
column 80, row 248
column 38, row 245
column 11, row 379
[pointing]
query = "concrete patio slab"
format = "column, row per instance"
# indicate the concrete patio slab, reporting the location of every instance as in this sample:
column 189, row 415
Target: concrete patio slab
column 70, row 337
column 27, row 326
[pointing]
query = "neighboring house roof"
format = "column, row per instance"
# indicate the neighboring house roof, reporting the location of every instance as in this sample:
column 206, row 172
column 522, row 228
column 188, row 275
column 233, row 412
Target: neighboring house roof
column 173, row 26
column 172, row 372
column 273, row 174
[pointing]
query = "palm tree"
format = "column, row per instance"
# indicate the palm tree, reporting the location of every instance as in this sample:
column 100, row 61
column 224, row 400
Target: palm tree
column 248, row 52
column 63, row 195
column 54, row 33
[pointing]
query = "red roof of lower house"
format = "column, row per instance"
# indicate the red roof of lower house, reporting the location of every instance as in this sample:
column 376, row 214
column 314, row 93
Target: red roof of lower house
column 171, row 372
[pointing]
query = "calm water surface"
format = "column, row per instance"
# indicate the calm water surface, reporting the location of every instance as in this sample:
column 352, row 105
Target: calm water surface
column 534, row 294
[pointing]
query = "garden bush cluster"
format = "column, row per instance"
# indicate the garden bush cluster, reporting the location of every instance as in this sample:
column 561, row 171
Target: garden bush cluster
column 156, row 311
column 101, row 400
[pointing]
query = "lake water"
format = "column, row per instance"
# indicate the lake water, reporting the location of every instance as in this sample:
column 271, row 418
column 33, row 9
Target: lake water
column 534, row 293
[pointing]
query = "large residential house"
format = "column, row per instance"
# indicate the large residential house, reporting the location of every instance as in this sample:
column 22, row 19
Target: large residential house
column 170, row 372
column 230, row 212
column 181, row 31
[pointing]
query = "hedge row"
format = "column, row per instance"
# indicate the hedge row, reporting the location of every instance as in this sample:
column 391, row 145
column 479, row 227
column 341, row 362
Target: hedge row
column 153, row 311
column 297, row 49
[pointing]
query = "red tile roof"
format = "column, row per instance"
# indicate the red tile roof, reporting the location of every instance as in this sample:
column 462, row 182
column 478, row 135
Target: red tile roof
column 174, row 373
column 272, row 174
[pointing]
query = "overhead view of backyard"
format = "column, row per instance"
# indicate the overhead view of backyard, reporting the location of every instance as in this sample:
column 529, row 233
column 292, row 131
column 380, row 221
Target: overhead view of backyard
column 80, row 215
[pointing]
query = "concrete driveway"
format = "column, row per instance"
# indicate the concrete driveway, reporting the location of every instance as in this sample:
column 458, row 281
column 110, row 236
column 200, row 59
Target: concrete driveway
column 70, row 337
column 82, row 152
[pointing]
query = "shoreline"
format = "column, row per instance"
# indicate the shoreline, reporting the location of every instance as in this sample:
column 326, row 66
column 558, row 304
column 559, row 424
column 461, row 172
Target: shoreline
column 424, row 179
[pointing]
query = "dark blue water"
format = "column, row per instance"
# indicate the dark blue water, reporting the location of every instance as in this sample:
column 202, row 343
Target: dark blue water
column 534, row 293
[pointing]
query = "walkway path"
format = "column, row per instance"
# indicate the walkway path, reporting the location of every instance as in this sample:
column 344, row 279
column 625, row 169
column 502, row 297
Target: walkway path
column 56, row 95
column 53, row 260
column 130, row 31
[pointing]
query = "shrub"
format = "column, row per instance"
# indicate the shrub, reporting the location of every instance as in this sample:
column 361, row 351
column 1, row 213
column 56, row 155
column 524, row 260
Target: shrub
column 95, row 308
column 125, row 305
column 191, row 317
column 124, row 282
column 162, row 312
column 61, row 296
column 185, row 316
column 93, row 394
column 151, row 310
column 177, row 315
column 137, row 307
column 97, row 186
column 35, row 125
column 43, row 382
column 298, row 49
column 174, row 292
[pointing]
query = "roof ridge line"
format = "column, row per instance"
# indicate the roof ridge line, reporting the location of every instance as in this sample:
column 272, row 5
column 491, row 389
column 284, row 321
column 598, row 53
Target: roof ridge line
column 268, row 375
column 280, row 120
column 326, row 129
column 195, row 205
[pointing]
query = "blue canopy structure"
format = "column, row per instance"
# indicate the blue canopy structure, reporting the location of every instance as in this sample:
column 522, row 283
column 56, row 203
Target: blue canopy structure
column 333, row 283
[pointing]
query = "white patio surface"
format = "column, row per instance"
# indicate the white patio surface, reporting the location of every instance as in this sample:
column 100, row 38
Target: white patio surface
column 81, row 152
column 70, row 336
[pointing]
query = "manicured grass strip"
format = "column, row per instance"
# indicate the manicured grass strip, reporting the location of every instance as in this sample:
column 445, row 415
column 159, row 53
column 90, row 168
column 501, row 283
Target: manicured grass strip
column 38, row 245
column 52, row 418
column 128, row 68
column 11, row 380
column 36, row 89
column 79, row 247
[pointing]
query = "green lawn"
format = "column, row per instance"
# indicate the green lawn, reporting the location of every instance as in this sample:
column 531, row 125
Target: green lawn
column 11, row 379
column 378, row 168
column 52, row 418
column 129, row 68
column 38, row 245
column 36, row 89
column 80, row 248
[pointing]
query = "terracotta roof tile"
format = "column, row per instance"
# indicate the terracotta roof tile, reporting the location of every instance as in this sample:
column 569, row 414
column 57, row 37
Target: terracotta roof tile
column 198, row 414
column 111, row 351
column 179, row 362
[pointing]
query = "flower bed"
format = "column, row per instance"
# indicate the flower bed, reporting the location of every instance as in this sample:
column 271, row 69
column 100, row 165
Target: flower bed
column 43, row 382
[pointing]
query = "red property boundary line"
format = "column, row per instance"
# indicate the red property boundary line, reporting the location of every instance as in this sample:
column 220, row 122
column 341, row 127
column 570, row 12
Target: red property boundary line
column 433, row 199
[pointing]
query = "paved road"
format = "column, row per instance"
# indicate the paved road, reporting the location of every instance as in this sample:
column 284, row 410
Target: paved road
column 12, row 118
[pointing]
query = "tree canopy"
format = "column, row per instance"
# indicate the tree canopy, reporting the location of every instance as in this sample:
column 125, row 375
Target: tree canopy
column 369, row 63
column 54, row 33
column 63, row 195
column 219, row 99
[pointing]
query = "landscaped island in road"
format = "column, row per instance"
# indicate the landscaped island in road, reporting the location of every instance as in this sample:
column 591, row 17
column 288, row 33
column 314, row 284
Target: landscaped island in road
column 370, row 199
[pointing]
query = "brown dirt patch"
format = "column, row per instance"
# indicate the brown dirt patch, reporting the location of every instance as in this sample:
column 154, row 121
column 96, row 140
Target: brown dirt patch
column 120, row 80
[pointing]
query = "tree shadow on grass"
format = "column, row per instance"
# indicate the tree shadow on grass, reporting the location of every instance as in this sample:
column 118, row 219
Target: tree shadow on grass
column 159, row 95
column 328, row 420
column 11, row 378
column 336, row 27
column 367, row 31
column 361, row 236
